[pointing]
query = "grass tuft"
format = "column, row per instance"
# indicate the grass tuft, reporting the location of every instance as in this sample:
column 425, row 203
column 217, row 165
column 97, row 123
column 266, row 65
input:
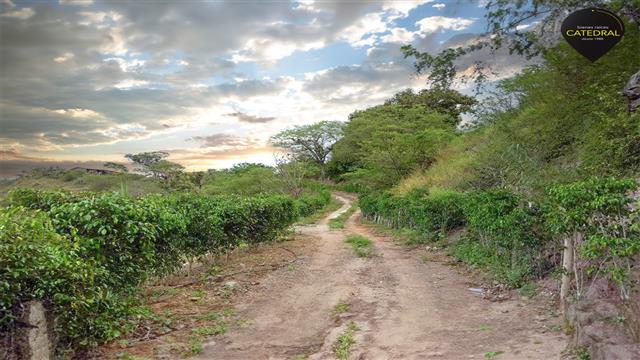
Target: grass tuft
column 338, row 223
column 362, row 246
column 345, row 341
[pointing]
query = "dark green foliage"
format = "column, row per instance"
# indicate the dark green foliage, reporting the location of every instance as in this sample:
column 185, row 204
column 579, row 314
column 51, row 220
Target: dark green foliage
column 308, row 204
column 38, row 263
column 85, row 254
column 598, row 209
column 437, row 212
column 448, row 102
column 42, row 200
column 384, row 143
column 502, row 233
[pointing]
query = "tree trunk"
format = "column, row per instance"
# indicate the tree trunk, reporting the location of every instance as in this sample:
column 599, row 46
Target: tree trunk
column 567, row 267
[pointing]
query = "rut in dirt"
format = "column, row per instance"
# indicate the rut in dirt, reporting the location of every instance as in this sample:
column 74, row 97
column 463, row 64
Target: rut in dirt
column 402, row 307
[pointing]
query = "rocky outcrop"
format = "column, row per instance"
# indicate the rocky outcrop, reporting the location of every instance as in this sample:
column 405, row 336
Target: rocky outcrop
column 632, row 91
column 604, row 325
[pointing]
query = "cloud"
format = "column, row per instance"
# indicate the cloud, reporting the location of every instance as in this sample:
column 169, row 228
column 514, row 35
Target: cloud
column 225, row 140
column 369, row 24
column 402, row 8
column 439, row 6
column 399, row 35
column 243, row 117
column 76, row 2
column 434, row 23
column 359, row 85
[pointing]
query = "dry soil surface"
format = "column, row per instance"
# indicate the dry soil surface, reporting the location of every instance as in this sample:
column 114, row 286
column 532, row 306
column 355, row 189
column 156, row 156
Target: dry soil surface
column 404, row 308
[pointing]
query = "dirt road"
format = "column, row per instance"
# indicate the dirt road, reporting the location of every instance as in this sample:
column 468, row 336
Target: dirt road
column 404, row 308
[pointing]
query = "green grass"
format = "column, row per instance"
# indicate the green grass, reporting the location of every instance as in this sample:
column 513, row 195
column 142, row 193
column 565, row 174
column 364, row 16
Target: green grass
column 195, row 345
column 528, row 290
column 210, row 330
column 340, row 308
column 216, row 315
column 338, row 223
column 362, row 246
column 345, row 341
column 333, row 205
column 492, row 354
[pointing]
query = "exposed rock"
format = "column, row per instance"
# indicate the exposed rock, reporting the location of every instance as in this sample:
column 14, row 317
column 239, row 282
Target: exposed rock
column 602, row 325
column 632, row 91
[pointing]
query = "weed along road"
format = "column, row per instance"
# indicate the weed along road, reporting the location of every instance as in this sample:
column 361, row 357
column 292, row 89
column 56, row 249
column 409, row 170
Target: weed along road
column 373, row 298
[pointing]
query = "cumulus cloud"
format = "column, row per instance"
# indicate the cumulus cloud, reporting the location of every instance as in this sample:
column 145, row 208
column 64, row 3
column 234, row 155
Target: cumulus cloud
column 434, row 23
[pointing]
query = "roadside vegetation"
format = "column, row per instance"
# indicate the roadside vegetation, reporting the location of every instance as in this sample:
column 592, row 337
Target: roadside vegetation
column 344, row 342
column 339, row 222
column 88, row 253
column 361, row 246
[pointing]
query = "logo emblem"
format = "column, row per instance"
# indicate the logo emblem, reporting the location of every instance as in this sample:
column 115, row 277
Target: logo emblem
column 592, row 32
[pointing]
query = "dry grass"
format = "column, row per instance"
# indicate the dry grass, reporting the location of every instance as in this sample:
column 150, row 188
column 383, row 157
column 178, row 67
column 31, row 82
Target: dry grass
column 452, row 169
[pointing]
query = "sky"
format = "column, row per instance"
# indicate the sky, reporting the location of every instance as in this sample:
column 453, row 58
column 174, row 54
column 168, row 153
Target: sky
column 84, row 82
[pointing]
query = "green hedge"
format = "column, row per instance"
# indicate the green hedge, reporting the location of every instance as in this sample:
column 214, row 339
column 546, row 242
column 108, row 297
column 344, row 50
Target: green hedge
column 503, row 235
column 436, row 212
column 85, row 254
column 501, row 232
column 511, row 236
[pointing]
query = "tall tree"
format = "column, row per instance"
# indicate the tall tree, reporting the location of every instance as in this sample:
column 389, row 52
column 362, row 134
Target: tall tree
column 445, row 101
column 311, row 142
column 145, row 162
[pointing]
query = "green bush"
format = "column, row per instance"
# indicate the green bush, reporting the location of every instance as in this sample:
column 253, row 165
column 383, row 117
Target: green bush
column 502, row 233
column 599, row 210
column 38, row 263
column 308, row 204
column 38, row 199
column 85, row 254
column 436, row 212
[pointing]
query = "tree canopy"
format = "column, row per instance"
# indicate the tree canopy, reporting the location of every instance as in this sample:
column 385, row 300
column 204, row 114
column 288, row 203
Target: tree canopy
column 311, row 142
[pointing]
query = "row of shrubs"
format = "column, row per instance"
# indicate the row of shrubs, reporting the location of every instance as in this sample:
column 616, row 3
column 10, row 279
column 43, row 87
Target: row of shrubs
column 85, row 254
column 512, row 236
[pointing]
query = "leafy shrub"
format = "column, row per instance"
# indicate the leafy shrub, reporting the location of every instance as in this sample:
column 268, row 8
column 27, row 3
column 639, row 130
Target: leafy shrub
column 85, row 254
column 599, row 210
column 502, row 234
column 504, row 231
column 436, row 212
column 308, row 204
column 38, row 199
column 38, row 263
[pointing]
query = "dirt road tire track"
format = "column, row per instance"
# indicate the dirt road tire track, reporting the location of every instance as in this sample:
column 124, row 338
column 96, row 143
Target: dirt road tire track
column 404, row 308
